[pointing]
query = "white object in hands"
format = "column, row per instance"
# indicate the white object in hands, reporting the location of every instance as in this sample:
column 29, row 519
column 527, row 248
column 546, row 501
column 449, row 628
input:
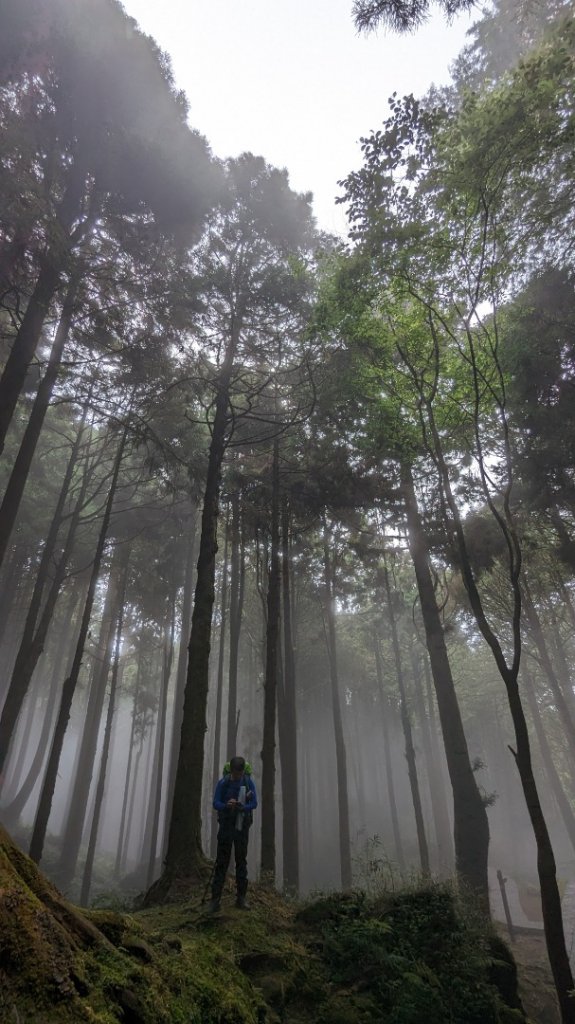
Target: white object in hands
column 242, row 801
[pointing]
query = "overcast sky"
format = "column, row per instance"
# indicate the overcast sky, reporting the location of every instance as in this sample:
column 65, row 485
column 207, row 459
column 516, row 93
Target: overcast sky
column 292, row 81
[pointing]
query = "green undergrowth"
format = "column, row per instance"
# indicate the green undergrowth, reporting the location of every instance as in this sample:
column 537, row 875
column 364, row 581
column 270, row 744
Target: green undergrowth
column 400, row 958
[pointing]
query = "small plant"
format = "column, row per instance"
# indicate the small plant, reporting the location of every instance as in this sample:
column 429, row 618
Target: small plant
column 419, row 954
column 373, row 869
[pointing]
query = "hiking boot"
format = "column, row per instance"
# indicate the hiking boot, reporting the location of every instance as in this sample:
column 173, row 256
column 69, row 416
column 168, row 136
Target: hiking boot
column 213, row 907
column 242, row 903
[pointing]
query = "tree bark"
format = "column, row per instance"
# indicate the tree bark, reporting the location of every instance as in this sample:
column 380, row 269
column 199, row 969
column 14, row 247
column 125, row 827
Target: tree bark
column 13, row 810
column 546, row 867
column 538, row 636
column 268, row 815
column 216, row 770
column 340, row 750
column 407, row 734
column 235, row 624
column 184, row 857
column 78, row 807
column 288, row 734
column 49, row 279
column 388, row 762
column 436, row 791
column 34, row 634
column 46, row 796
column 182, row 664
column 471, row 828
column 19, row 475
column 127, row 779
column 99, row 796
column 14, row 572
column 550, row 898
column 168, row 655
column 131, row 805
column 563, row 804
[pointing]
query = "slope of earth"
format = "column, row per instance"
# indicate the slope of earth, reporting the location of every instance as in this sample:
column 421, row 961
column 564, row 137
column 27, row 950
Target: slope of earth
column 411, row 957
column 535, row 979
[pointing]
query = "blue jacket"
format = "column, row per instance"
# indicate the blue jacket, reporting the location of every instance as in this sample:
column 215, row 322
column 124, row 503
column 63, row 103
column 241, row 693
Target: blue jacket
column 228, row 789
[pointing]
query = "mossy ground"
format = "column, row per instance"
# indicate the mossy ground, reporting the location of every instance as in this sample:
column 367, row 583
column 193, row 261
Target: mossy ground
column 404, row 958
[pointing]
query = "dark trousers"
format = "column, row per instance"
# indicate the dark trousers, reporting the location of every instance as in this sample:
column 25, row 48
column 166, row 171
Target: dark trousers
column 229, row 837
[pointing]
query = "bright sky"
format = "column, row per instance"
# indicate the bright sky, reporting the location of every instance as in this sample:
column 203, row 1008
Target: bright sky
column 292, row 81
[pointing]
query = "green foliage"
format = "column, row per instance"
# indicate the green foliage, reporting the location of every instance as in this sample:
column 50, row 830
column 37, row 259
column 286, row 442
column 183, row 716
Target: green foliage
column 421, row 955
column 401, row 15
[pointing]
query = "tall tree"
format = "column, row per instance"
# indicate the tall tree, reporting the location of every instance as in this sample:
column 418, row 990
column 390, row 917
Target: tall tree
column 251, row 281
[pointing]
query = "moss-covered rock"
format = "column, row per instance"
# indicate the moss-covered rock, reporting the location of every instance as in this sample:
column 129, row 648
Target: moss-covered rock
column 404, row 958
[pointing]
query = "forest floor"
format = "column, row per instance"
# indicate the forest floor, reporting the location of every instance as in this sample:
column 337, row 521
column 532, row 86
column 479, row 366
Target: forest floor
column 415, row 955
column 535, row 978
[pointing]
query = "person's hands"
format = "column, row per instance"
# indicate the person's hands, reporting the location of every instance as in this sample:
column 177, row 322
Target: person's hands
column 232, row 803
column 249, row 795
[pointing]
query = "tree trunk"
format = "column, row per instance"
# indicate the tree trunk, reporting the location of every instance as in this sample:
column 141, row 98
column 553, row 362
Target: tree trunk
column 145, row 811
column 182, row 664
column 184, row 857
column 388, row 762
column 471, row 828
column 13, row 810
column 538, row 636
column 216, row 770
column 19, row 475
column 49, row 279
column 547, row 758
column 550, row 898
column 131, row 806
column 436, row 790
column 407, row 734
column 99, row 796
column 78, row 807
column 33, row 639
column 235, row 624
column 46, row 796
column 127, row 780
column 340, row 751
column 14, row 572
column 288, row 735
column 560, row 659
column 168, row 655
column 268, row 816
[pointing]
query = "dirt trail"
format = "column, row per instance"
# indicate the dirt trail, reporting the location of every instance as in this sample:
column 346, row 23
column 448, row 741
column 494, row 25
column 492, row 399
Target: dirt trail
column 535, row 978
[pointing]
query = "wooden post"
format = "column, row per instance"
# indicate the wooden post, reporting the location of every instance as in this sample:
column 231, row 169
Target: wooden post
column 510, row 927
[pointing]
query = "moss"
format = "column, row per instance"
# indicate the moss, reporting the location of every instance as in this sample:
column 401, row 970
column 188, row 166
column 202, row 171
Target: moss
column 405, row 958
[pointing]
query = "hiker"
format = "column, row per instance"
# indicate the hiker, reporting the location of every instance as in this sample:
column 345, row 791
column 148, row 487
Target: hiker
column 234, row 799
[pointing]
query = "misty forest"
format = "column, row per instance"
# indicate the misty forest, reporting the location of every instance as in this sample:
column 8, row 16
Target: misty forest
column 303, row 499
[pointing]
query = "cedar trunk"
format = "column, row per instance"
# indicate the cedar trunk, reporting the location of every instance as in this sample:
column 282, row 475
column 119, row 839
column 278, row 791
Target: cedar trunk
column 69, row 687
column 19, row 475
column 288, row 734
column 340, row 751
column 77, row 810
column 219, row 693
column 268, row 817
column 184, row 856
column 99, row 796
column 34, row 633
column 49, row 279
column 388, row 761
